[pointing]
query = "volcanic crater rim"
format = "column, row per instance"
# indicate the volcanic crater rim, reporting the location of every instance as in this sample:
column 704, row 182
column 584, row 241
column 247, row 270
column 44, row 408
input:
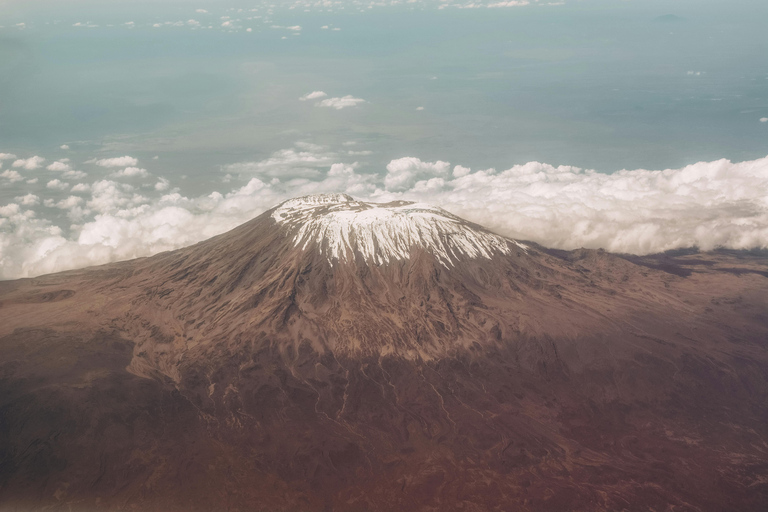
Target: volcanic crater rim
column 340, row 226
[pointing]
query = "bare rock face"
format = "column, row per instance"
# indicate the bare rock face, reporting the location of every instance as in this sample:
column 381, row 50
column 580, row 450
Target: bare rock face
column 333, row 354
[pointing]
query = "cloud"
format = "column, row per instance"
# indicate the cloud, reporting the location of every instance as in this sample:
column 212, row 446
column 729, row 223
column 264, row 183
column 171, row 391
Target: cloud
column 511, row 3
column 293, row 28
column 59, row 166
column 403, row 173
column 7, row 156
column 460, row 171
column 122, row 161
column 303, row 161
column 132, row 172
column 30, row 164
column 28, row 200
column 340, row 103
column 9, row 210
column 109, row 197
column 313, row 96
column 764, row 119
column 57, row 185
column 74, row 175
column 64, row 147
column 707, row 204
column 69, row 203
column 162, row 185
column 11, row 175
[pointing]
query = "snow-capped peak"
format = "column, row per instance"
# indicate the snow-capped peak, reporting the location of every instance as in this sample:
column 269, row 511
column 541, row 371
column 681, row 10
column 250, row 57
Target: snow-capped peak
column 381, row 233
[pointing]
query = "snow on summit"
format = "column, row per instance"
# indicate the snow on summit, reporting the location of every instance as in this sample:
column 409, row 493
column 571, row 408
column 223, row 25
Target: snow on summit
column 341, row 226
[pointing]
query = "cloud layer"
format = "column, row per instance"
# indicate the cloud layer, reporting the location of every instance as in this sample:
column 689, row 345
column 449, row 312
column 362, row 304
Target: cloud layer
column 336, row 103
column 707, row 204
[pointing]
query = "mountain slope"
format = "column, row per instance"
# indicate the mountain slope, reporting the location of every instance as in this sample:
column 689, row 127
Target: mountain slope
column 339, row 355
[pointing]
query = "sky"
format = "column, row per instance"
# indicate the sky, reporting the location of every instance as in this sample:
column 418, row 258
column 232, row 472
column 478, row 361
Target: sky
column 129, row 128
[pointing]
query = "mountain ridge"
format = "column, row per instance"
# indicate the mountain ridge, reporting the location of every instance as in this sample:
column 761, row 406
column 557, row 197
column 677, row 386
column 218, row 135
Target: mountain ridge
column 250, row 372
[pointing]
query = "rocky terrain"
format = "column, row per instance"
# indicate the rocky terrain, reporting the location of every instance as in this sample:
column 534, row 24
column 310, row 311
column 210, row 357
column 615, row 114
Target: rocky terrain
column 339, row 355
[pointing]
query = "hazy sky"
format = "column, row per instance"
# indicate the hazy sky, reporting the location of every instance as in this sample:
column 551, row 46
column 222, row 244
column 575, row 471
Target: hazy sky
column 132, row 127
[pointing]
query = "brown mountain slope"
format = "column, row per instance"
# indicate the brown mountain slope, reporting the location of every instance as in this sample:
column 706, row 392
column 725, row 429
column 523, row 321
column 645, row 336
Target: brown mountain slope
column 301, row 362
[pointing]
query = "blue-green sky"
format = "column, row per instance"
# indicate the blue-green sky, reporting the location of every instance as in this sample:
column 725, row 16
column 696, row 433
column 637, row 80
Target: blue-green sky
column 205, row 97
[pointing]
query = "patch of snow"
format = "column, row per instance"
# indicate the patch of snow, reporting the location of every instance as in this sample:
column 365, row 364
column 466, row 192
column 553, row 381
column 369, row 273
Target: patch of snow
column 381, row 233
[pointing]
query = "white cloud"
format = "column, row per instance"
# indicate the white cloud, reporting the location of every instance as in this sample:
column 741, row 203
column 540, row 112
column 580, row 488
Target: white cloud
column 74, row 175
column 81, row 187
column 510, row 3
column 64, row 146
column 59, row 166
column 708, row 204
column 28, row 200
column 201, row 11
column 162, row 185
column 7, row 156
column 460, row 171
column 9, row 210
column 303, row 161
column 122, row 161
column 11, row 175
column 69, row 203
column 292, row 28
column 132, row 172
column 313, row 96
column 30, row 164
column 57, row 185
column 340, row 103
column 110, row 197
column 764, row 119
column 403, row 173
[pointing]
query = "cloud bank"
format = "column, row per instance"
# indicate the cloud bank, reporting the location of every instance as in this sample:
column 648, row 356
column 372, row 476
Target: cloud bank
column 707, row 204
column 336, row 103
column 340, row 103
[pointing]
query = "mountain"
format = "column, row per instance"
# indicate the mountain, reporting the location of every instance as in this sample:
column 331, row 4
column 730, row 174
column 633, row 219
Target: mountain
column 333, row 354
